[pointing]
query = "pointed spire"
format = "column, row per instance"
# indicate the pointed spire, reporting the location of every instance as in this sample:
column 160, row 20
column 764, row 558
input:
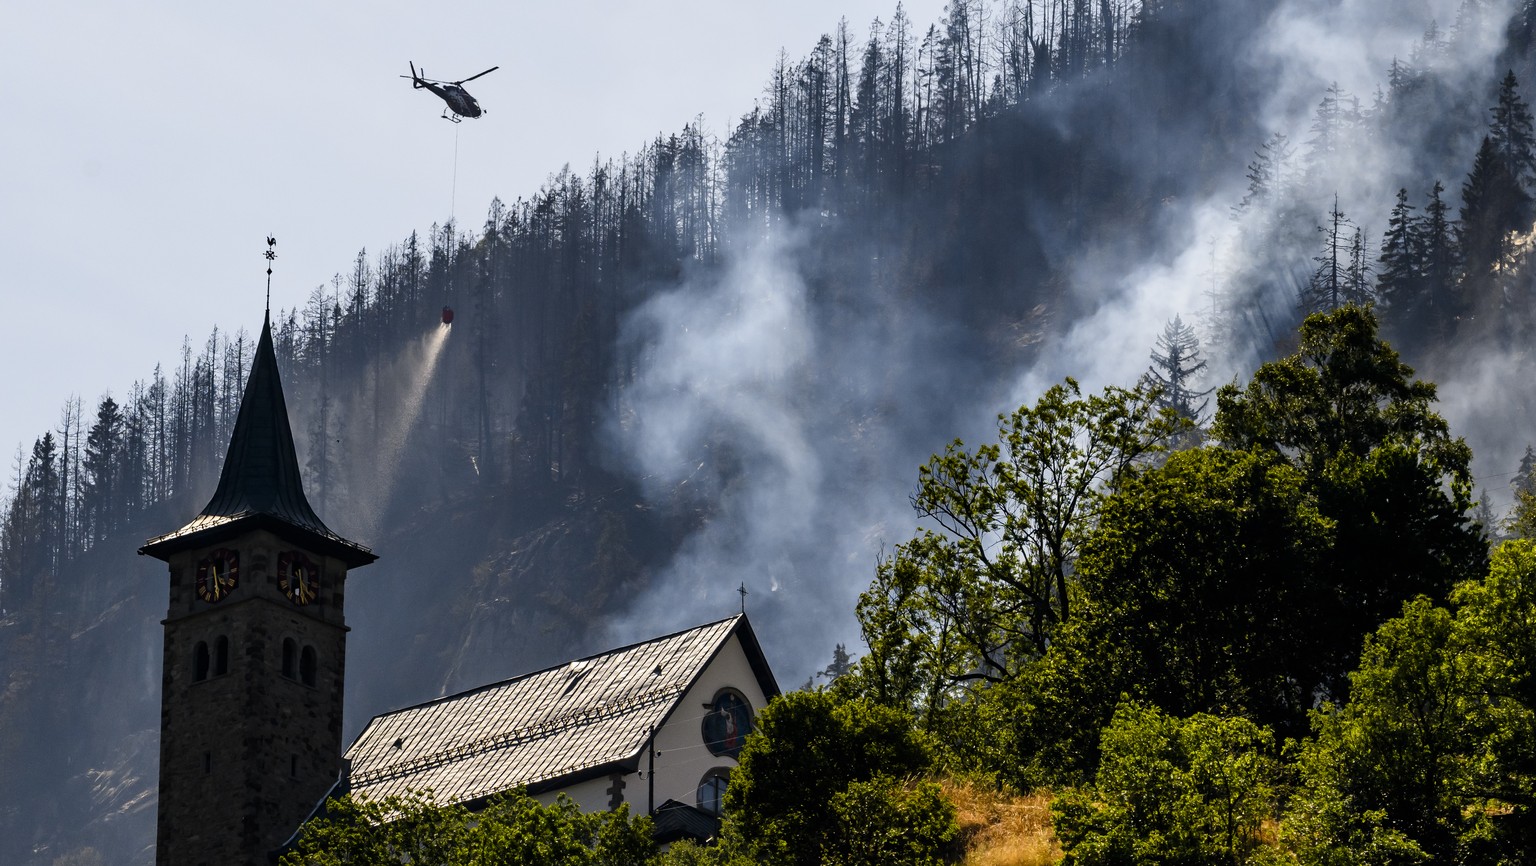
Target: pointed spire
column 261, row 470
column 260, row 486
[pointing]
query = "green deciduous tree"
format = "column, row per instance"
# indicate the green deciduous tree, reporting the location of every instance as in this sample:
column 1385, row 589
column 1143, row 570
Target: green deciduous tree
column 1201, row 584
column 806, row 751
column 1376, row 776
column 1199, row 592
column 1434, row 756
column 885, row 821
column 983, row 592
column 1381, row 464
column 512, row 828
column 1171, row 791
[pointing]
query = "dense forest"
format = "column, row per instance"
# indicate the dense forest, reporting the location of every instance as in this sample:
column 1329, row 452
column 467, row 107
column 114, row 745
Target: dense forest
column 722, row 361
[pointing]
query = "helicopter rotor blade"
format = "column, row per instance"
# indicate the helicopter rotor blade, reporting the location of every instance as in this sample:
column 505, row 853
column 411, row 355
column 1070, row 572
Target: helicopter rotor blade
column 473, row 77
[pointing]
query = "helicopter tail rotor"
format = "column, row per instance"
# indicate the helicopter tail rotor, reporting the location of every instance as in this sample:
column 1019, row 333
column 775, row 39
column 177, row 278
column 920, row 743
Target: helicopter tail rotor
column 417, row 81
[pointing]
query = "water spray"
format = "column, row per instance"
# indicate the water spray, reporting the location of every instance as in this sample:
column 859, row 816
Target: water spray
column 417, row 370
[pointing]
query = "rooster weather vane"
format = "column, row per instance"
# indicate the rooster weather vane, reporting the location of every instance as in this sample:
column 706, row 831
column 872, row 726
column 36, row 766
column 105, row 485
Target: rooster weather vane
column 271, row 256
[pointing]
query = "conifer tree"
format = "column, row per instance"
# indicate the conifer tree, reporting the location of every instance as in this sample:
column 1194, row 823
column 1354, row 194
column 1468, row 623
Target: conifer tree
column 1483, row 515
column 1341, row 274
column 1334, row 122
column 1511, row 132
column 1357, row 274
column 1522, row 516
column 1267, row 173
column 1401, row 79
column 32, row 529
column 103, row 456
column 1485, row 200
column 1497, row 202
column 1175, row 369
column 1400, row 281
column 1441, row 261
column 1525, row 477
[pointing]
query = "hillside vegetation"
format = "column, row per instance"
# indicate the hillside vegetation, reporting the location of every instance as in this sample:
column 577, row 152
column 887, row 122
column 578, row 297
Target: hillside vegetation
column 719, row 361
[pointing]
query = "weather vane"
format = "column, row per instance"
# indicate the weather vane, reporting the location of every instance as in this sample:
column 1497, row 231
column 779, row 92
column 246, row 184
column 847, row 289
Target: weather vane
column 271, row 255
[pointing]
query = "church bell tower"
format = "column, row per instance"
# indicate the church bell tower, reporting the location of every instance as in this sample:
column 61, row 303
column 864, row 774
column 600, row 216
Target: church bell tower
column 255, row 649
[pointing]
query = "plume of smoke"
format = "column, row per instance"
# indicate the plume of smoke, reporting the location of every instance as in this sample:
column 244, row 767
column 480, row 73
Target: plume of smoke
column 796, row 430
column 738, row 353
column 1112, row 343
column 1315, row 43
column 775, row 417
column 1303, row 47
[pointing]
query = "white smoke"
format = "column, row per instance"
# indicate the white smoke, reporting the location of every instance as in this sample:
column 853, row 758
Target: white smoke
column 731, row 355
column 792, row 434
column 751, row 404
column 1305, row 46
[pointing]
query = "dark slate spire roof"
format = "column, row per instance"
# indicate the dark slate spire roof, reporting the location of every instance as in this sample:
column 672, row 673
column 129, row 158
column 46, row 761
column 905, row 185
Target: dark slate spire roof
column 260, row 485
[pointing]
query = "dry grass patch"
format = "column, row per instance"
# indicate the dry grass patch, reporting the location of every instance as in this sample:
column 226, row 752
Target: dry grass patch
column 1002, row 829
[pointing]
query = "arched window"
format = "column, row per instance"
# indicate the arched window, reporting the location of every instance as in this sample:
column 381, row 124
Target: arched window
column 290, row 658
column 307, row 666
column 221, row 656
column 200, row 662
column 727, row 723
column 712, row 790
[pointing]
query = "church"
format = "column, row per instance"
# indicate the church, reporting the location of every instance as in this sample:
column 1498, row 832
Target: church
column 254, row 663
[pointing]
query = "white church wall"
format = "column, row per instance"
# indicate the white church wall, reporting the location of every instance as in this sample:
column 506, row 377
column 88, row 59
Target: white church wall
column 593, row 796
column 684, row 760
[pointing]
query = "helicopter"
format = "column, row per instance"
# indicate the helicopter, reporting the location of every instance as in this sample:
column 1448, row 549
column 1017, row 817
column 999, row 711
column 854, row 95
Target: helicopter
column 452, row 92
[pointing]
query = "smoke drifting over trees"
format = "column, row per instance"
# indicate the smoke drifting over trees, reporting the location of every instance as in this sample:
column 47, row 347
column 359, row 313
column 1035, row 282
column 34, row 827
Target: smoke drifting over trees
column 716, row 361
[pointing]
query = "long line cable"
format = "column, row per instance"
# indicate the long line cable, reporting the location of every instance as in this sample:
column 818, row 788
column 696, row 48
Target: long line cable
column 453, row 201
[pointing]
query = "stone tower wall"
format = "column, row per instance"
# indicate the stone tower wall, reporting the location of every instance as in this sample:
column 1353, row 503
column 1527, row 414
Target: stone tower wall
column 245, row 755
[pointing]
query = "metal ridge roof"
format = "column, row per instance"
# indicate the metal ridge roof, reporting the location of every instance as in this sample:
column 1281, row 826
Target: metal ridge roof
column 590, row 715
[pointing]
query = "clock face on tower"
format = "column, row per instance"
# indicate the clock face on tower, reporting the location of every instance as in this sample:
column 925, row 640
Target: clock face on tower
column 297, row 577
column 218, row 574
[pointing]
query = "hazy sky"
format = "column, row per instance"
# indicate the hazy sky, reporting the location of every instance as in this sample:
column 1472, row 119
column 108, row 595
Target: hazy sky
column 150, row 147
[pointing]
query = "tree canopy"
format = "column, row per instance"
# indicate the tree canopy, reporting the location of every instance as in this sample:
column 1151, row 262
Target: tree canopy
column 982, row 593
column 511, row 828
column 821, row 780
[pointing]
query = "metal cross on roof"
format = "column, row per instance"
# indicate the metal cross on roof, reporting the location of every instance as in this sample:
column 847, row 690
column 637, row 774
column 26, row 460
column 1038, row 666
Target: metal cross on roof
column 743, row 590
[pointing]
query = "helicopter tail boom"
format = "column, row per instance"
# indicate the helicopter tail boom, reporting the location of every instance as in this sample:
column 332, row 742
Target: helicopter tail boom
column 417, row 82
